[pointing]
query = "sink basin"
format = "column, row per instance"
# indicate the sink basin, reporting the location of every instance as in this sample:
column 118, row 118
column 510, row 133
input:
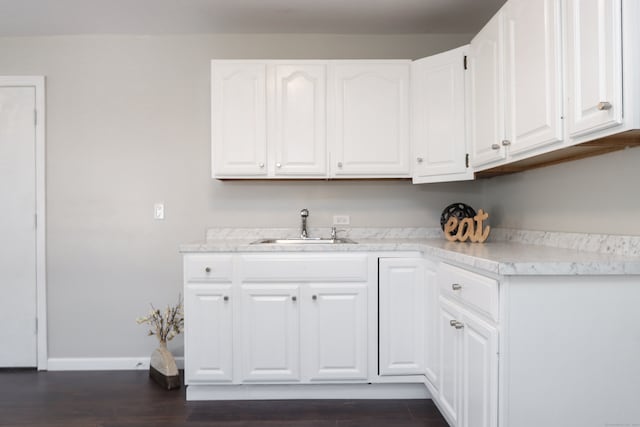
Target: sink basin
column 307, row 241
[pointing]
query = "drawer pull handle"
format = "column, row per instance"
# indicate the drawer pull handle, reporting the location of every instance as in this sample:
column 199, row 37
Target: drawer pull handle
column 495, row 146
column 456, row 286
column 506, row 142
column 294, row 298
column 456, row 324
column 207, row 270
column 226, row 298
column 603, row 106
column 314, row 297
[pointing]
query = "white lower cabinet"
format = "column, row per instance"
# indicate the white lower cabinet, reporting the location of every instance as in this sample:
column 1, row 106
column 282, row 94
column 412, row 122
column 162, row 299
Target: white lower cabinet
column 277, row 318
column 269, row 333
column 479, row 368
column 468, row 344
column 401, row 316
column 208, row 333
column 334, row 331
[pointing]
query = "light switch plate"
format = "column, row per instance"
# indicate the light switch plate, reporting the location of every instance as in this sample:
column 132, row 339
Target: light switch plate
column 341, row 220
column 158, row 211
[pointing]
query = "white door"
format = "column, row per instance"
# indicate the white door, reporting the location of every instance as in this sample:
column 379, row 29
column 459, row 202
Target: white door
column 208, row 333
column 594, row 65
column 300, row 120
column 269, row 333
column 486, row 93
column 238, row 119
column 533, row 74
column 17, row 227
column 370, row 122
column 401, row 316
column 450, row 343
column 438, row 125
column 479, row 373
column 335, row 332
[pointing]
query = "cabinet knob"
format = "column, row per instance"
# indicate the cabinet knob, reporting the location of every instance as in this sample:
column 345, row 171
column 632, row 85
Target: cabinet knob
column 506, row 142
column 456, row 286
column 278, row 165
column 419, row 159
column 226, row 298
column 456, row 324
column 495, row 146
column 604, row 106
column 294, row 298
column 314, row 297
column 261, row 165
column 339, row 164
column 207, row 270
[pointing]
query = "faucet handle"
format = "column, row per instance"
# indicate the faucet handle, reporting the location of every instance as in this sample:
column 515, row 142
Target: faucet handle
column 304, row 213
column 334, row 233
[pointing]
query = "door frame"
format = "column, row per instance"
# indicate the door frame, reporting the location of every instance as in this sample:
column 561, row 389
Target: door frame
column 38, row 82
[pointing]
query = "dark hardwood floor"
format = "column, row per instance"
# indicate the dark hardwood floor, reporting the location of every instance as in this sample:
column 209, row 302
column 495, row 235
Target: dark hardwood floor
column 131, row 399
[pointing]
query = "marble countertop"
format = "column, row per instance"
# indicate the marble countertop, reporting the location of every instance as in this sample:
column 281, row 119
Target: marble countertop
column 508, row 256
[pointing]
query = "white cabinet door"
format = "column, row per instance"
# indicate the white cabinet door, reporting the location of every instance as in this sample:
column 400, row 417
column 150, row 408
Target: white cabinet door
column 594, row 65
column 401, row 302
column 299, row 120
column 370, row 118
column 479, row 373
column 533, row 74
column 238, row 119
column 269, row 330
column 208, row 333
column 450, row 353
column 438, row 118
column 432, row 326
column 485, row 92
column 334, row 332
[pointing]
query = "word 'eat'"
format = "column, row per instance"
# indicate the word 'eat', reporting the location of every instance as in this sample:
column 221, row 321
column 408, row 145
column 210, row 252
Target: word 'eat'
column 468, row 228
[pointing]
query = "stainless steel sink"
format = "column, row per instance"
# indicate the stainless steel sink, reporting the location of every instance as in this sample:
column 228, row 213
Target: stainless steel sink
column 300, row 241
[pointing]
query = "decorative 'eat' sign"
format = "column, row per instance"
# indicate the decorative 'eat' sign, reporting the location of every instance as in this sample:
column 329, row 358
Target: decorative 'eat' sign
column 468, row 228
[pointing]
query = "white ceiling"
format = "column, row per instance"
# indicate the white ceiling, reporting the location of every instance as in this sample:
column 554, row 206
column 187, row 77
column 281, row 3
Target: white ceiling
column 52, row 17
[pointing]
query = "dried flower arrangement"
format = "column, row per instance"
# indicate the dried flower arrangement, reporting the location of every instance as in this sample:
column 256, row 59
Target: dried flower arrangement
column 165, row 325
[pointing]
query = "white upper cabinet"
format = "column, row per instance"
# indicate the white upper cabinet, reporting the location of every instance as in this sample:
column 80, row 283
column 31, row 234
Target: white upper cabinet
column 439, row 142
column 369, row 121
column 284, row 119
column 238, row 119
column 299, row 120
column 594, row 65
column 533, row 74
column 485, row 94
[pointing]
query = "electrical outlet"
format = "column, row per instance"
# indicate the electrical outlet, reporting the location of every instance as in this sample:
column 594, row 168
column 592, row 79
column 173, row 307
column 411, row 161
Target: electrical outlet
column 341, row 220
column 158, row 211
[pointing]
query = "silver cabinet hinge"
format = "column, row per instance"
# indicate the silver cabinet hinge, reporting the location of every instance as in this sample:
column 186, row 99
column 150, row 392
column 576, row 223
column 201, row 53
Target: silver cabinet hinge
column 464, row 62
column 466, row 160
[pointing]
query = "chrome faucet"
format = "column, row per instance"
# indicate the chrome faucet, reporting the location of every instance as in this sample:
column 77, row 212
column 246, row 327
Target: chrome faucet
column 304, row 213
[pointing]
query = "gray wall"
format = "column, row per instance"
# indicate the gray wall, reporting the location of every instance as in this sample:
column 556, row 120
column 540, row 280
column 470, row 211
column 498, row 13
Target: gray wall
column 595, row 195
column 128, row 125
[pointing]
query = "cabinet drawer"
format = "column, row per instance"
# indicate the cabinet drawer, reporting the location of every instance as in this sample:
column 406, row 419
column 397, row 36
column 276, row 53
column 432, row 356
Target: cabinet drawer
column 480, row 292
column 304, row 268
column 208, row 268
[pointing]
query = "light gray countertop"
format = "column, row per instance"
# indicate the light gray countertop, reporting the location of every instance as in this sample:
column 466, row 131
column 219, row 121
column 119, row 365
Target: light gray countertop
column 508, row 256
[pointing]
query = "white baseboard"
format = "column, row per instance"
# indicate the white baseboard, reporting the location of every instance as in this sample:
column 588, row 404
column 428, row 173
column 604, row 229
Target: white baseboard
column 307, row 391
column 103, row 363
